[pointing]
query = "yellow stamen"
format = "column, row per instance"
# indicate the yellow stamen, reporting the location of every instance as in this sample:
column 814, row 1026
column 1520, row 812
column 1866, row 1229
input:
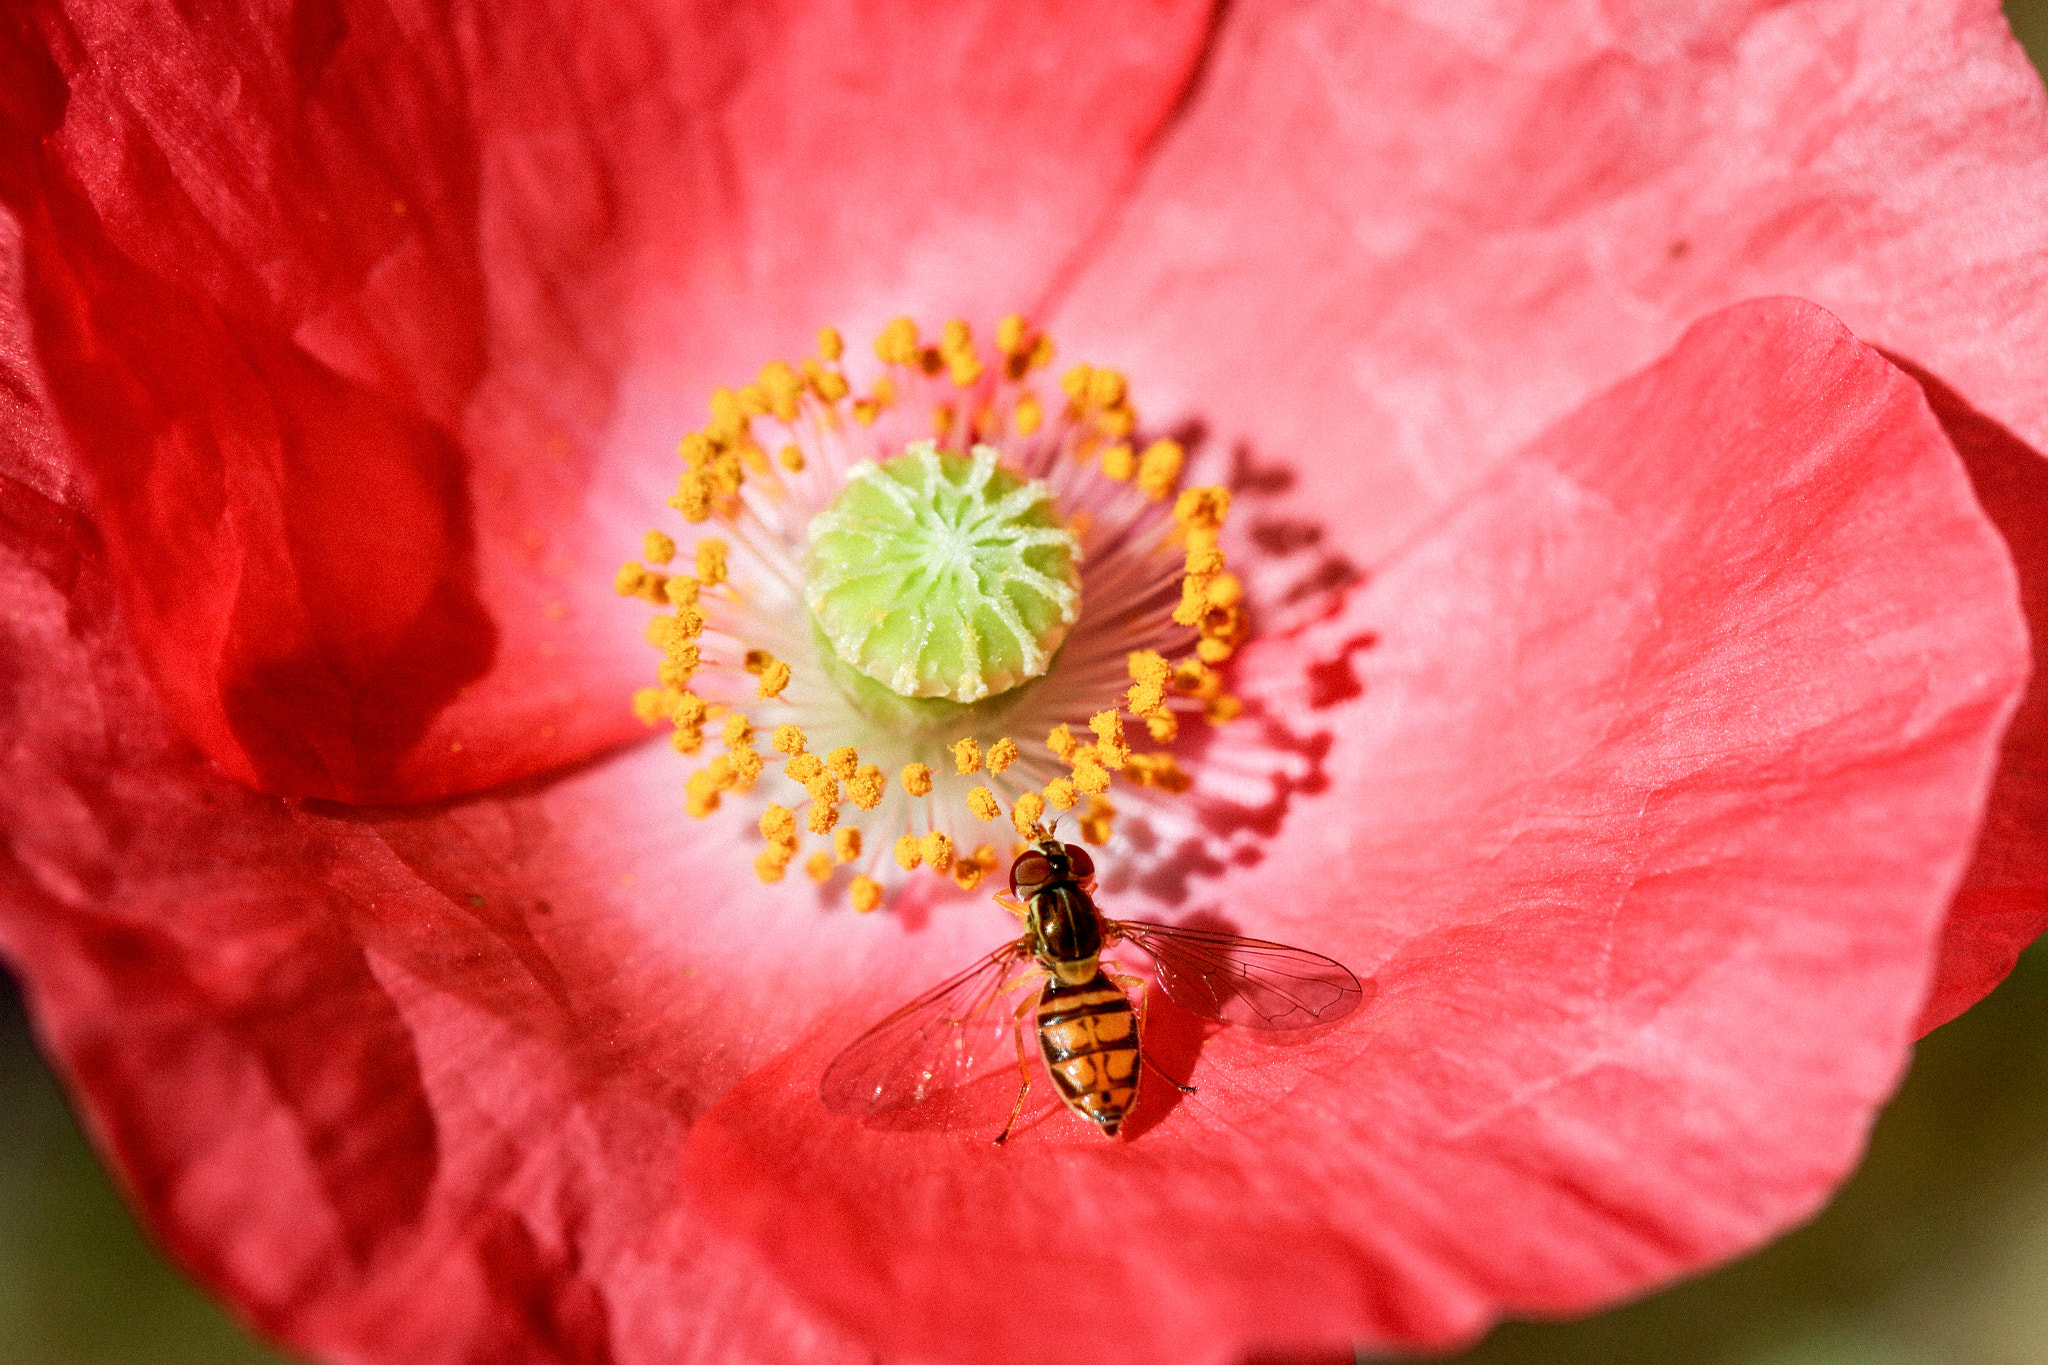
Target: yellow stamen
column 897, row 344
column 1028, row 416
column 830, row 344
column 1109, row 737
column 917, row 779
column 803, row 767
column 650, row 705
column 658, row 548
column 843, row 762
column 1002, row 754
column 908, row 854
column 1062, row 743
column 1059, row 794
column 774, row 677
column 866, row 787
column 711, row 561
column 770, row 864
column 1105, row 388
column 700, row 794
column 866, row 894
column 1162, row 771
column 818, row 867
column 937, row 851
column 1025, row 814
column 1119, row 463
column 778, row 825
column 846, row 844
column 681, row 591
column 967, row 756
column 791, row 457
column 1096, row 821
column 982, row 802
column 788, row 740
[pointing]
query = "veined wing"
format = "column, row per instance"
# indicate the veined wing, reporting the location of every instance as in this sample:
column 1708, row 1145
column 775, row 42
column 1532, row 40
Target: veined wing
column 933, row 1044
column 1245, row 981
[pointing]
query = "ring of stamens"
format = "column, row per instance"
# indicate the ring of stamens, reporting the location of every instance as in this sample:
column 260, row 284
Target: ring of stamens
column 887, row 783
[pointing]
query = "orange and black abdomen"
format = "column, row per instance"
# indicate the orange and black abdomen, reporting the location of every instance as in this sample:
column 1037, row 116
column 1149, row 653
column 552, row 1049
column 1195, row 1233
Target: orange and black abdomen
column 1089, row 1035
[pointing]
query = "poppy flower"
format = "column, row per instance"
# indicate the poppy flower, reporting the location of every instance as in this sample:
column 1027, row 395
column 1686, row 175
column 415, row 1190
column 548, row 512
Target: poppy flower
column 1634, row 666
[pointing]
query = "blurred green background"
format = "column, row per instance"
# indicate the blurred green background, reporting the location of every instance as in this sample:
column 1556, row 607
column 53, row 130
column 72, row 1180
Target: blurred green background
column 1936, row 1253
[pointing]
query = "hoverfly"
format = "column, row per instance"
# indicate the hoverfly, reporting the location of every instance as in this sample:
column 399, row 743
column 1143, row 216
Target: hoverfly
column 1089, row 1035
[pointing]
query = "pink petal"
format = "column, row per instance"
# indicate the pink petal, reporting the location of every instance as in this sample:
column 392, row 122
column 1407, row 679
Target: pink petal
column 1417, row 236
column 2003, row 904
column 1668, row 751
column 399, row 1085
column 376, row 334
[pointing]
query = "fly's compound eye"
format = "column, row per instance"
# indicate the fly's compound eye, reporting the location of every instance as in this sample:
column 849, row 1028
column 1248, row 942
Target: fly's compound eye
column 1028, row 873
column 1078, row 860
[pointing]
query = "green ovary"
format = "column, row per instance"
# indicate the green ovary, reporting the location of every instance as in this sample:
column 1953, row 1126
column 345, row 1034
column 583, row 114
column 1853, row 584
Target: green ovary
column 943, row 575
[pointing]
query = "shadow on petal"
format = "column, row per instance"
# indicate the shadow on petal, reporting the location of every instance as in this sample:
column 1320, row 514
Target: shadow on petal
column 2003, row 903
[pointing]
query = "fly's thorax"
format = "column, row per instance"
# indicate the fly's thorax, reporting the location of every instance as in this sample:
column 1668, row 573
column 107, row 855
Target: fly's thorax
column 1066, row 930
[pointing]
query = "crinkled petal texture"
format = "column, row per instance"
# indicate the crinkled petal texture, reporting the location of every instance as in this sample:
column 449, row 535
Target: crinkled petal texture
column 1637, row 776
column 1640, row 813
column 376, row 328
column 1417, row 234
column 373, row 329
column 1664, row 749
column 402, row 1086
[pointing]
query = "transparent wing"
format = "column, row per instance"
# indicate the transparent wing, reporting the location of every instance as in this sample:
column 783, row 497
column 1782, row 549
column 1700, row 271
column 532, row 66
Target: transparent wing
column 1245, row 981
column 937, row 1042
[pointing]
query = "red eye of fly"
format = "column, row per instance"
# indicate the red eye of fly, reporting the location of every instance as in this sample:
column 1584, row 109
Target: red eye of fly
column 1078, row 859
column 1029, row 872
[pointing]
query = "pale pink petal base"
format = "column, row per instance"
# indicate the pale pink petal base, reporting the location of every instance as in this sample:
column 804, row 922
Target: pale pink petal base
column 1668, row 754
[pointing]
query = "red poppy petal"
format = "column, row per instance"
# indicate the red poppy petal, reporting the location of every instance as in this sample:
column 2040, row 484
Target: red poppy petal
column 2003, row 904
column 359, row 1075
column 1433, row 233
column 345, row 318
column 1668, row 749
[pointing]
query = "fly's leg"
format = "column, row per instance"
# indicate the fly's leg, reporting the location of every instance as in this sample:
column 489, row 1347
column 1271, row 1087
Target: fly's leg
column 1023, row 1068
column 1011, row 904
column 1133, row 983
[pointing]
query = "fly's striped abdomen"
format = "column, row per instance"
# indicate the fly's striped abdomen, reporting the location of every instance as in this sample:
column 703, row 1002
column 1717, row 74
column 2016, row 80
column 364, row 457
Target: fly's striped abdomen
column 1089, row 1035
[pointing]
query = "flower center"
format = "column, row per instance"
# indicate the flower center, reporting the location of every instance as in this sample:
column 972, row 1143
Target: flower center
column 923, row 580
column 943, row 575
